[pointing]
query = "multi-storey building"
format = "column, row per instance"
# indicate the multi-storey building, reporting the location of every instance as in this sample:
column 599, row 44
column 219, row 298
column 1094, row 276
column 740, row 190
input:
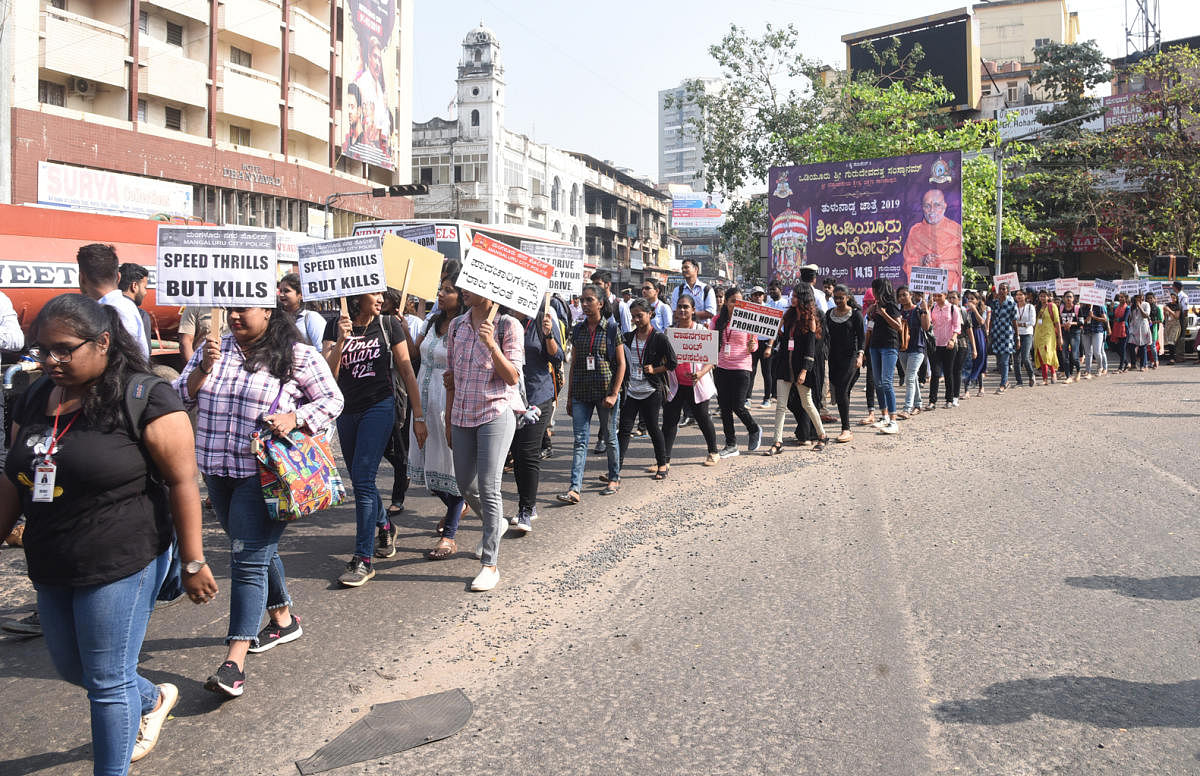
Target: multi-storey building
column 251, row 112
column 1009, row 31
column 680, row 152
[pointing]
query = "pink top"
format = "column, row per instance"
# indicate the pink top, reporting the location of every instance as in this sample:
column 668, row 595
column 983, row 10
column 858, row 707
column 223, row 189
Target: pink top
column 946, row 323
column 736, row 347
column 480, row 395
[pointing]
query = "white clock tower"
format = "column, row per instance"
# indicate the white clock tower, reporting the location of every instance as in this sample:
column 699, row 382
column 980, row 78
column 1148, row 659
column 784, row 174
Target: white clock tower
column 480, row 86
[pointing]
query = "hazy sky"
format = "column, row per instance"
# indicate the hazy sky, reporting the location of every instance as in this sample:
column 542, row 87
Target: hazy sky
column 585, row 76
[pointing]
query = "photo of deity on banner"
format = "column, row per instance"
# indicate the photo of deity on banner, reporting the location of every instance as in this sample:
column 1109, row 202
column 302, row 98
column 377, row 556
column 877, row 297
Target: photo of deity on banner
column 789, row 245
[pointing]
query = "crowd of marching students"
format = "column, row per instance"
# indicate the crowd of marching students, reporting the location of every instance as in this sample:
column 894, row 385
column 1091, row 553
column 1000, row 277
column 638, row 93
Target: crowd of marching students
column 453, row 400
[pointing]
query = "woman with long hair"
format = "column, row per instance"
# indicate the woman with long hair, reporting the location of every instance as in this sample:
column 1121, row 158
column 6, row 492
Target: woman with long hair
column 433, row 464
column 362, row 349
column 1024, row 320
column 962, row 347
column 945, row 321
column 543, row 342
column 651, row 357
column 847, row 344
column 692, row 388
column 977, row 322
column 1068, row 313
column 260, row 374
column 1138, row 337
column 912, row 355
column 1047, row 338
column 310, row 323
column 796, row 352
column 97, row 539
column 485, row 353
column 884, row 350
column 733, row 374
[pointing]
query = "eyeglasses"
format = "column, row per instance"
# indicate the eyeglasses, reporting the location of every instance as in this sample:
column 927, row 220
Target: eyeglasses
column 647, row 288
column 60, row 355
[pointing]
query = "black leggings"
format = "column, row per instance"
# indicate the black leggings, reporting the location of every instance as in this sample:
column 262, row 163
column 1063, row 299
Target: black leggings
column 731, row 398
column 527, row 460
column 842, row 377
column 649, row 409
column 674, row 408
column 943, row 368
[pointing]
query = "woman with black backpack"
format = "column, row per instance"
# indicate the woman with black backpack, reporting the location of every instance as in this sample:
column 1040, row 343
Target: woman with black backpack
column 651, row 357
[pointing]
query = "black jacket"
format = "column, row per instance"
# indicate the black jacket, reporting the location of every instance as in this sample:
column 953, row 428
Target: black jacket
column 786, row 364
column 658, row 352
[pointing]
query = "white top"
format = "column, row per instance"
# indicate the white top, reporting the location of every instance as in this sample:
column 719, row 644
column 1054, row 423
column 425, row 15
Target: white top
column 705, row 302
column 11, row 336
column 1183, row 300
column 131, row 319
column 1025, row 319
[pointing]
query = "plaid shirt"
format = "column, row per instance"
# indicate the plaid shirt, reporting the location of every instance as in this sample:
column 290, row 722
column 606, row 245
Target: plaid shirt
column 233, row 402
column 479, row 395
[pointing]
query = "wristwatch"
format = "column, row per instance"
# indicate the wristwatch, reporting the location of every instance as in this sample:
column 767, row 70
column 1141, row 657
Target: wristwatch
column 418, row 420
column 194, row 566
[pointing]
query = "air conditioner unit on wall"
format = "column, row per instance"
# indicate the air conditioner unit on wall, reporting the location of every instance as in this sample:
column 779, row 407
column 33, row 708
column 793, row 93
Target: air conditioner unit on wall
column 83, row 87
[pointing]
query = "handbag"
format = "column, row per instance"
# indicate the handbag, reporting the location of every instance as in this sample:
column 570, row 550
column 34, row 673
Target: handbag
column 297, row 473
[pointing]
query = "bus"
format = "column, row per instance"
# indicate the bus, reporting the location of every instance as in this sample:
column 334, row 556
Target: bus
column 454, row 236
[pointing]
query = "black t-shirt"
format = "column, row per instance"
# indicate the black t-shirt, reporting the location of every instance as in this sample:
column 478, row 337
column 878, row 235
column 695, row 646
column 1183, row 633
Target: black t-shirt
column 883, row 335
column 365, row 373
column 107, row 521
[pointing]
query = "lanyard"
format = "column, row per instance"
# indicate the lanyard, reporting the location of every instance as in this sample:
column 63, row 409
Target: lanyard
column 640, row 350
column 55, row 436
column 592, row 342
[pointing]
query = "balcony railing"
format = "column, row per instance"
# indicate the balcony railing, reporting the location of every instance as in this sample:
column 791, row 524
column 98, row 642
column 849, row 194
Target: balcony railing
column 83, row 47
column 248, row 94
column 309, row 39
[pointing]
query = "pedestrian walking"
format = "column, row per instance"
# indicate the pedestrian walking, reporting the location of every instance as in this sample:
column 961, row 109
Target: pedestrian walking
column 884, row 350
column 734, row 372
column 1095, row 321
column 1002, row 334
column 691, row 389
column 847, row 344
column 796, row 351
column 1047, row 338
column 977, row 325
column 945, row 322
column 651, row 358
column 913, row 349
column 1138, row 337
column 1071, row 331
column 542, row 339
column 1024, row 320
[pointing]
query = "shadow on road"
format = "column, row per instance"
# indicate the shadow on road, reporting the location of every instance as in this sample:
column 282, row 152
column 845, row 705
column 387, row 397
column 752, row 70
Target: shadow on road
column 1160, row 588
column 40, row 762
column 1094, row 700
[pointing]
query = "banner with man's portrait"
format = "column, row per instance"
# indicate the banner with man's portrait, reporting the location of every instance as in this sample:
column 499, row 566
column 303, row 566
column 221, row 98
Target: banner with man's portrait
column 370, row 91
column 868, row 218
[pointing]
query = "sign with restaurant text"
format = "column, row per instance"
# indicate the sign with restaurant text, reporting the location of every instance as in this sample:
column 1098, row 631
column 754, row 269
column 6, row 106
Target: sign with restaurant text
column 339, row 268
column 505, row 275
column 755, row 319
column 694, row 346
column 214, row 267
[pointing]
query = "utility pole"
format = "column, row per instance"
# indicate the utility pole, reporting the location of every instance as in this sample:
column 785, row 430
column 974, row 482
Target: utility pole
column 398, row 190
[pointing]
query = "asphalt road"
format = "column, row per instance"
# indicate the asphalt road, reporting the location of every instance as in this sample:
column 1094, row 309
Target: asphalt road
column 1005, row 588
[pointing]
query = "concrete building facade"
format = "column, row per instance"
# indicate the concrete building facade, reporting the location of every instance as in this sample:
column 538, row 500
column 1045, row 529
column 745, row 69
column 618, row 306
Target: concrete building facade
column 1009, row 31
column 238, row 102
column 680, row 152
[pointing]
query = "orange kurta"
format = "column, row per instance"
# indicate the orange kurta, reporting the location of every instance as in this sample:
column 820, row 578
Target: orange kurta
column 935, row 245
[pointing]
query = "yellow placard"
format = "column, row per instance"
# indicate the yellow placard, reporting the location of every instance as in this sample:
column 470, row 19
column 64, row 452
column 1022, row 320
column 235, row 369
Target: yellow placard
column 426, row 267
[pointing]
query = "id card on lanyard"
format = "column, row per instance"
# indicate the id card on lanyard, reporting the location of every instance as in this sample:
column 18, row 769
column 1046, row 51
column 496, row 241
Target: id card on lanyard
column 45, row 471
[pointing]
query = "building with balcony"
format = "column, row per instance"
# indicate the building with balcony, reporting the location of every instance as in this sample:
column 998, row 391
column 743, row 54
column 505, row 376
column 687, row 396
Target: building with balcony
column 480, row 171
column 680, row 151
column 234, row 107
column 1009, row 31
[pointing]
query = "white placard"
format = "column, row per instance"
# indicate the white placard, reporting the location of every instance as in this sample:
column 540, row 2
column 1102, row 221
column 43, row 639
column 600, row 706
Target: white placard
column 1130, row 287
column 1108, row 287
column 694, row 346
column 505, row 275
column 1063, row 285
column 1156, row 288
column 568, row 278
column 755, row 319
column 204, row 266
column 1014, row 283
column 929, row 280
column 1091, row 295
column 338, row 268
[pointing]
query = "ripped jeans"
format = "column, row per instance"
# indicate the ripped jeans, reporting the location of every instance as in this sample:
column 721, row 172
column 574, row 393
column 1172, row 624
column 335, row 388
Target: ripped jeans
column 257, row 582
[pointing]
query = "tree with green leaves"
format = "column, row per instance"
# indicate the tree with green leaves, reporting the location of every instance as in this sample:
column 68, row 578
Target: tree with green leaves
column 779, row 107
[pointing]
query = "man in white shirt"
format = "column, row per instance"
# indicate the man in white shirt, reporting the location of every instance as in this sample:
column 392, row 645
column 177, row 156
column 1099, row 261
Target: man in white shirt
column 661, row 316
column 808, row 275
column 705, row 297
column 1184, row 302
column 98, row 278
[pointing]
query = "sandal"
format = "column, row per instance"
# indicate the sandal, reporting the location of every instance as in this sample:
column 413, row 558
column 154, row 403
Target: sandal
column 845, row 436
column 820, row 444
column 394, row 511
column 442, row 550
column 774, row 449
column 441, row 526
column 903, row 415
column 570, row 497
column 661, row 474
column 611, row 488
column 651, row 470
column 868, row 420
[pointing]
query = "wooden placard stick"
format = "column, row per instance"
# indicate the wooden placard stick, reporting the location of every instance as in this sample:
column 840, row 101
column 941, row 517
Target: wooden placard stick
column 216, row 323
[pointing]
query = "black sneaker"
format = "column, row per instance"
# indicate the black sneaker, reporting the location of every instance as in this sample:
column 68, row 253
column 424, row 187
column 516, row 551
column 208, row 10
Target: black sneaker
column 601, row 447
column 273, row 635
column 228, row 680
column 357, row 573
column 546, row 454
column 385, row 543
column 26, row 626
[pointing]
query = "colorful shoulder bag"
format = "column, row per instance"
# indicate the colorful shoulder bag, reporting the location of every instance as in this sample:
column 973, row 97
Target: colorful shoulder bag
column 297, row 472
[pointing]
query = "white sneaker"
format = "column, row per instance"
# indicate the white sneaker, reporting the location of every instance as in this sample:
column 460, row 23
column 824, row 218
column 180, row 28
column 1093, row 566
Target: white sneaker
column 955, row 402
column 880, row 423
column 488, row 577
column 152, row 723
column 891, row 428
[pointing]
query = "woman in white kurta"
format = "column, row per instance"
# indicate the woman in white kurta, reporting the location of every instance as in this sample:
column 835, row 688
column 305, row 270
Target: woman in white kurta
column 433, row 466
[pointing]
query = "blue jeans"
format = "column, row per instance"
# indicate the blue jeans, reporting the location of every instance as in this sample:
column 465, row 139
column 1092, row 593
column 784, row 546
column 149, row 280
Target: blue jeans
column 883, row 366
column 1003, row 361
column 1070, row 352
column 581, row 417
column 1023, row 359
column 364, row 436
column 94, row 634
column 256, row 579
column 912, row 385
column 479, row 453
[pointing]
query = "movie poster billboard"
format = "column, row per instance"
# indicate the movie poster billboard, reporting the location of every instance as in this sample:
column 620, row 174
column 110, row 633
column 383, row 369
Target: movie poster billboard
column 697, row 210
column 371, row 92
column 867, row 218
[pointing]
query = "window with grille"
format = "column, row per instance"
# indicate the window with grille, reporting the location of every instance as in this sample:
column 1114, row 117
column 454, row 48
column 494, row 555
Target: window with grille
column 174, row 118
column 143, row 21
column 239, row 57
column 239, row 135
column 59, row 4
column 174, row 34
column 51, row 93
column 141, row 110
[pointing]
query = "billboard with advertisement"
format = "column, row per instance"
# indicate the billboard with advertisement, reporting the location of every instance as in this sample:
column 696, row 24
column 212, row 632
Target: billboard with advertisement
column 867, row 218
column 697, row 210
column 102, row 191
column 370, row 90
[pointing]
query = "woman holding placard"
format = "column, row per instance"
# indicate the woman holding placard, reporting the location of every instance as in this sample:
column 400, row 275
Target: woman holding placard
column 433, row 464
column 362, row 349
column 691, row 387
column 733, row 375
column 481, row 385
column 260, row 374
column 1138, row 337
